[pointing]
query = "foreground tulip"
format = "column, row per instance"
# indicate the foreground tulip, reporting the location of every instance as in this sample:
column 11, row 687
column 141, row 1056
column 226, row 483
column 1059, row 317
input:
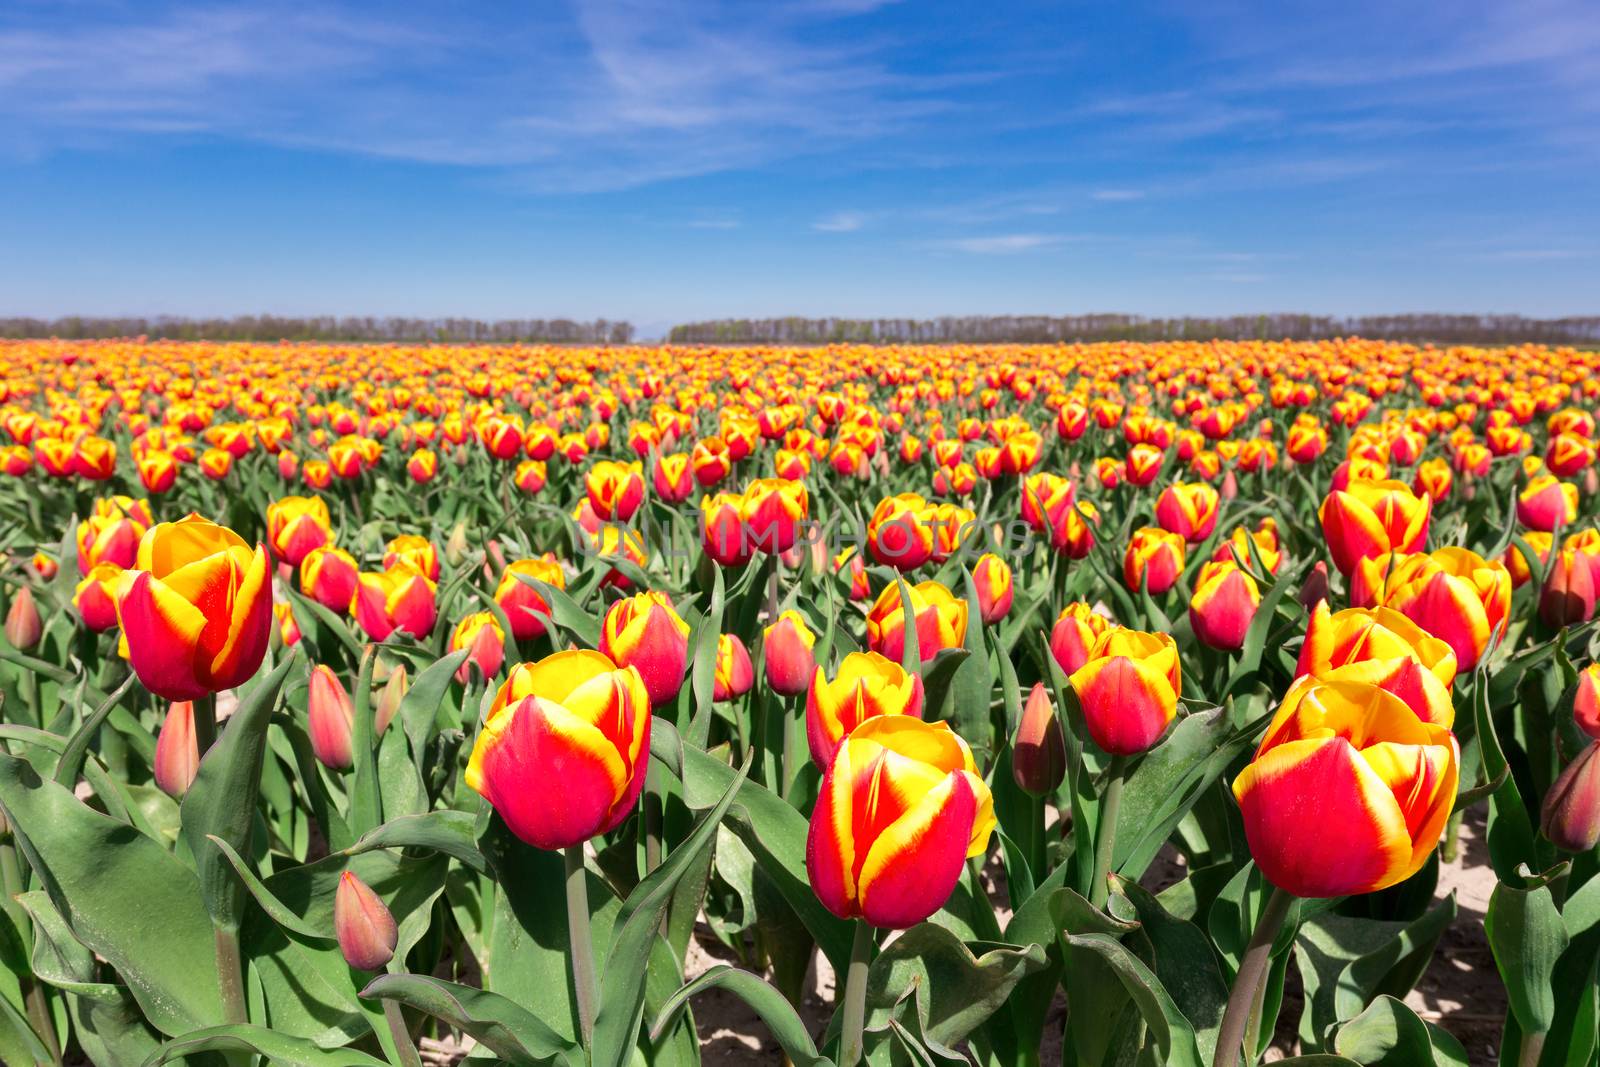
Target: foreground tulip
column 363, row 925
column 939, row 617
column 525, row 609
column 330, row 719
column 197, row 613
column 1075, row 631
column 1570, row 816
column 563, row 749
column 1547, row 502
column 1371, row 518
column 1356, row 635
column 772, row 509
column 646, row 633
column 1223, row 606
column 296, row 525
column 480, row 633
column 900, row 809
column 786, row 652
column 329, row 576
column 177, row 751
column 991, row 577
column 1454, row 594
column 1154, row 559
column 399, row 598
column 1039, row 751
column 1128, row 689
column 867, row 685
column 1348, row 792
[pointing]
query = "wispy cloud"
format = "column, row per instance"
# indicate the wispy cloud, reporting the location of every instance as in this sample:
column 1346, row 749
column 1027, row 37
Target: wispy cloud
column 1005, row 244
column 1112, row 196
column 840, row 222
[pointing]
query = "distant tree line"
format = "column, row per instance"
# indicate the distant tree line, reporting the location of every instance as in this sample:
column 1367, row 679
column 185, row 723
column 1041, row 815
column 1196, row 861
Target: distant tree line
column 976, row 329
column 324, row 328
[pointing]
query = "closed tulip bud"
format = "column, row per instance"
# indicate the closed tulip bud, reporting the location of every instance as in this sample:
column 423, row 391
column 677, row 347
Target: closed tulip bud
column 866, row 685
column 1129, row 689
column 1076, row 630
column 564, row 747
column 177, row 751
column 1568, row 596
column 197, row 613
column 1370, row 518
column 330, row 719
column 23, row 625
column 939, row 617
column 1586, row 701
column 734, row 674
column 365, row 928
column 480, row 633
column 296, row 525
column 1223, row 606
column 789, row 661
column 1039, row 752
column 288, row 629
column 394, row 691
column 992, row 579
column 1154, row 559
column 1188, row 509
column 900, row 810
column 772, row 509
column 1315, row 589
column 1547, row 502
column 45, row 567
column 455, row 547
column 645, row 632
column 1348, row 792
column 1570, row 817
column 329, row 576
column 1454, row 594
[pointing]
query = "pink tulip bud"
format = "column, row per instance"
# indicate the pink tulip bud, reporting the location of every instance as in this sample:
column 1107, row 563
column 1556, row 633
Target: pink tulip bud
column 177, row 750
column 23, row 626
column 1571, row 816
column 331, row 719
column 394, row 691
column 364, row 926
column 1039, row 753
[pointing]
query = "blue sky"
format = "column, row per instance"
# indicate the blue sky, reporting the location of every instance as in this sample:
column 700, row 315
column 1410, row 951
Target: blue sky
column 666, row 161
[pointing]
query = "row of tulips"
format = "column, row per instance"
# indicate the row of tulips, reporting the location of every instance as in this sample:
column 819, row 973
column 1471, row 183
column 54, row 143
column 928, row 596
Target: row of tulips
column 473, row 685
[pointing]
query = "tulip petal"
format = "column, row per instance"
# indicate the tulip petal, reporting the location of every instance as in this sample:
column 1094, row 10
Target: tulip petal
column 915, row 862
column 162, row 630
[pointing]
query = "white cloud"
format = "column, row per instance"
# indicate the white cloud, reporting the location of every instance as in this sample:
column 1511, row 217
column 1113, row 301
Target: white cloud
column 1116, row 195
column 999, row 244
column 840, row 222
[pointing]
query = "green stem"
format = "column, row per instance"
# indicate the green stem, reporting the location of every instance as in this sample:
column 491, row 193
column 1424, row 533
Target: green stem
column 1106, row 833
column 403, row 1045
column 1243, row 999
column 1036, row 838
column 653, row 802
column 1532, row 1048
column 1452, row 838
column 230, row 975
column 582, row 945
column 854, row 1006
column 32, row 992
column 205, row 722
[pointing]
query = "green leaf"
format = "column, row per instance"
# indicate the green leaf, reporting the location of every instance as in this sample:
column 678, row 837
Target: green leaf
column 419, row 708
column 451, row 832
column 786, row 1026
column 1527, row 937
column 122, row 895
column 1184, row 964
column 703, row 672
column 506, row 1029
column 938, row 680
column 280, row 1049
column 78, row 746
column 1387, row 1034
column 222, row 801
column 566, row 612
column 1173, row 1034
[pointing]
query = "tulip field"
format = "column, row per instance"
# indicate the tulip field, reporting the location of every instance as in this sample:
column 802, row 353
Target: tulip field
column 1112, row 704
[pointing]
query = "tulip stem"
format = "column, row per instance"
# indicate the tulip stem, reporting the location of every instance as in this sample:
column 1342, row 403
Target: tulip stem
column 38, row 1007
column 1243, row 1000
column 404, row 1047
column 582, row 945
column 1106, row 833
column 205, row 722
column 230, row 975
column 854, row 1006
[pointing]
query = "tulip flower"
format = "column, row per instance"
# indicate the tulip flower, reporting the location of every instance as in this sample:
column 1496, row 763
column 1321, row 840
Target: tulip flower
column 94, row 458
column 1075, row 631
column 1223, row 606
column 1517, row 563
column 1355, row 635
column 329, row 576
column 1570, row 815
column 288, row 629
column 645, row 632
column 723, row 535
column 615, row 489
column 786, row 652
column 296, row 525
column 1454, row 594
column 177, row 759
column 1039, row 751
column 397, row 598
column 23, row 626
column 1586, row 701
column 1154, row 559
column 866, row 685
column 480, row 632
column 1568, row 596
column 525, row 609
column 672, row 478
column 1143, row 464
column 112, row 538
column 1244, row 546
column 330, row 719
column 416, row 552
column 1348, row 792
column 898, row 534
column 197, row 611
column 939, row 617
column 1372, row 518
column 1128, row 689
column 900, row 810
column 95, row 596
column 363, row 926
column 991, row 577
column 1045, row 499
column 389, row 700
column 563, row 750
column 531, row 476
column 1188, row 509
column 734, row 673
column 772, row 509
column 1547, row 502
